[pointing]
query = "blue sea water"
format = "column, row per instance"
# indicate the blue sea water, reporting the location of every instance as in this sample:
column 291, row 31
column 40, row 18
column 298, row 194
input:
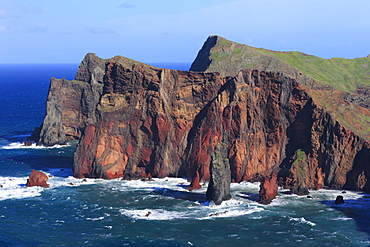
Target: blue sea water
column 96, row 212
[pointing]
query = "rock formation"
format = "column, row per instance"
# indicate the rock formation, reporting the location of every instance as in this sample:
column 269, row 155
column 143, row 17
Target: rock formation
column 71, row 105
column 219, row 184
column 268, row 189
column 37, row 178
column 136, row 121
column 339, row 200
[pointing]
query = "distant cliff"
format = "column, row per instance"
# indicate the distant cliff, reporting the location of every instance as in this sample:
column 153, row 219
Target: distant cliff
column 134, row 120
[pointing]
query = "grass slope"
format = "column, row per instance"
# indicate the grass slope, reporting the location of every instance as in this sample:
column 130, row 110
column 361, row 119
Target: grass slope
column 341, row 76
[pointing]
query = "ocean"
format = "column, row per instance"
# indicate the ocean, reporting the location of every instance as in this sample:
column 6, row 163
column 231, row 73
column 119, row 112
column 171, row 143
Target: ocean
column 96, row 212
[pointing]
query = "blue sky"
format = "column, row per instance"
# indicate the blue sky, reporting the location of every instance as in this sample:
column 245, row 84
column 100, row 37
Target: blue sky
column 63, row 31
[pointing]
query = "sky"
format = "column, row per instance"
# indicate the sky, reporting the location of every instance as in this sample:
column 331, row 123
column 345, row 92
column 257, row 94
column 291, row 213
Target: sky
column 63, row 31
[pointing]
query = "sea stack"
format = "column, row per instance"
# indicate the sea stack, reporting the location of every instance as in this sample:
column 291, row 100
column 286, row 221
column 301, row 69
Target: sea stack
column 37, row 178
column 219, row 184
column 268, row 189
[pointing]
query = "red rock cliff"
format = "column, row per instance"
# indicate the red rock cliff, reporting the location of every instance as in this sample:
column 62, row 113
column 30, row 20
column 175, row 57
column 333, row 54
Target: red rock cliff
column 167, row 123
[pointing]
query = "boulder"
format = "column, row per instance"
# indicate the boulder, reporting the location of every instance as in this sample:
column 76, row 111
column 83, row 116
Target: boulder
column 339, row 200
column 268, row 189
column 37, row 178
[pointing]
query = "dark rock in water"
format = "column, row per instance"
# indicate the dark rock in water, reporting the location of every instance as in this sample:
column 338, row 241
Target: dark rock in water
column 37, row 178
column 268, row 189
column 339, row 200
column 195, row 185
column 219, row 184
column 299, row 190
column 27, row 143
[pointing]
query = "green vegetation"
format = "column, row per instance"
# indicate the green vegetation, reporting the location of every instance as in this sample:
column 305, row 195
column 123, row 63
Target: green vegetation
column 299, row 163
column 343, row 74
column 337, row 77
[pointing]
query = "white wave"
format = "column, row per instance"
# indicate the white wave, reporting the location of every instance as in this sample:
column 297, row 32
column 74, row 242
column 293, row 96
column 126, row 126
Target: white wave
column 97, row 218
column 153, row 214
column 245, row 186
column 20, row 145
column 302, row 220
column 15, row 188
column 341, row 219
column 231, row 213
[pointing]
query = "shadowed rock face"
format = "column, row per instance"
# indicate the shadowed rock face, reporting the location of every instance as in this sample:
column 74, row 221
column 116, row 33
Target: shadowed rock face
column 71, row 105
column 219, row 184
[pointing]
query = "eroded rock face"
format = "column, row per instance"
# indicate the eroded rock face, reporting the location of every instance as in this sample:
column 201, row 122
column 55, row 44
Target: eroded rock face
column 37, row 178
column 167, row 123
column 136, row 121
column 268, row 189
column 71, row 105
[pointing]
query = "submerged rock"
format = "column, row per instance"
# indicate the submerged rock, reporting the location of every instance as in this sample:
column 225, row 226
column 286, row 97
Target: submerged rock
column 37, row 178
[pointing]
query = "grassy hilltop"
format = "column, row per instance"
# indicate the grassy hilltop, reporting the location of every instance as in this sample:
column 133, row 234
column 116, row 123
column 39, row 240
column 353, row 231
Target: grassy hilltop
column 340, row 85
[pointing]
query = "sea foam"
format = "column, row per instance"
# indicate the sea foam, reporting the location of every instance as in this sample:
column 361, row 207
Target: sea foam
column 15, row 188
column 20, row 145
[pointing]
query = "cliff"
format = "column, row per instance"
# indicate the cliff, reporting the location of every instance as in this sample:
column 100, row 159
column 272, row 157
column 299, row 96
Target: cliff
column 71, row 105
column 167, row 123
column 134, row 121
column 340, row 85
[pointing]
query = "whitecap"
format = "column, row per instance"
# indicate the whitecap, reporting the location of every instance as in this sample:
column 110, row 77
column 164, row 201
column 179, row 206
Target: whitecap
column 231, row 212
column 152, row 214
column 341, row 219
column 20, row 145
column 15, row 188
column 97, row 218
column 302, row 220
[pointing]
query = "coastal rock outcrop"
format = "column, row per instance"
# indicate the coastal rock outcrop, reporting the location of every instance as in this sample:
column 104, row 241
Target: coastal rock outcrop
column 37, row 178
column 339, row 200
column 71, row 105
column 268, row 189
column 219, row 185
column 134, row 120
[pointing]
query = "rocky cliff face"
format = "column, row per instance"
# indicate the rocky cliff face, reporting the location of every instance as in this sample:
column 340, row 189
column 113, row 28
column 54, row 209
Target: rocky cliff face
column 71, row 105
column 134, row 121
column 168, row 123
